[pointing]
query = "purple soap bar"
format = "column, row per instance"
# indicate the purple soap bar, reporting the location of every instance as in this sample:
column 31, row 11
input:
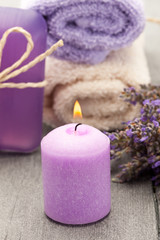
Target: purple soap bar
column 76, row 174
column 21, row 109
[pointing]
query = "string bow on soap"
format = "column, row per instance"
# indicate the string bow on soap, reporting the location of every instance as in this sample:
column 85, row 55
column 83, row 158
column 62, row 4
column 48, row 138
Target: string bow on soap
column 8, row 73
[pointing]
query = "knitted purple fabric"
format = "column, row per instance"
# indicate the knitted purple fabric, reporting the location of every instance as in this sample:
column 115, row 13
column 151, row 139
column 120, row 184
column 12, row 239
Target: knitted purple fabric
column 91, row 29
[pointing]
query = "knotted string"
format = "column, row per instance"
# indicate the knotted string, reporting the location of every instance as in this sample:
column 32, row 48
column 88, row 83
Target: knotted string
column 154, row 20
column 8, row 73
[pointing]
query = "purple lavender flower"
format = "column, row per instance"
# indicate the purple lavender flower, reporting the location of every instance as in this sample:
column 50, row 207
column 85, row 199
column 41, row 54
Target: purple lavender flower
column 143, row 139
column 147, row 101
column 151, row 159
column 129, row 133
column 133, row 102
column 113, row 147
column 136, row 119
column 112, row 137
column 128, row 122
column 156, row 102
column 143, row 129
column 154, row 178
column 156, row 170
column 156, row 124
column 144, row 118
column 131, row 88
column 157, row 164
column 136, row 140
column 153, row 118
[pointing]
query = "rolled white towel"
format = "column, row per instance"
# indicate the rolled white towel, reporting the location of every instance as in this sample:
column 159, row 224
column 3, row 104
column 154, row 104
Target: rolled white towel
column 96, row 87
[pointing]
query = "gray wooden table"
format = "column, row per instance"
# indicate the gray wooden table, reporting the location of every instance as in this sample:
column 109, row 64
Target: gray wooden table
column 134, row 214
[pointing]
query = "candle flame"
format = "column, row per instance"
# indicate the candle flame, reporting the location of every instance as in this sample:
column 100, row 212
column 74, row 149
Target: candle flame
column 77, row 112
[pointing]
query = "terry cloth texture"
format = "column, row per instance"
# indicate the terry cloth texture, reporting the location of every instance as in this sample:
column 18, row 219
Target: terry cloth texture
column 97, row 87
column 91, row 29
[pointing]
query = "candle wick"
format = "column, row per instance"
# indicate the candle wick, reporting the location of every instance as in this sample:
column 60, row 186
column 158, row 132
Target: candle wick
column 77, row 126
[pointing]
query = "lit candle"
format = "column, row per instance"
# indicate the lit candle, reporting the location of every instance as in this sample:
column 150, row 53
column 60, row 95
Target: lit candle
column 21, row 109
column 76, row 174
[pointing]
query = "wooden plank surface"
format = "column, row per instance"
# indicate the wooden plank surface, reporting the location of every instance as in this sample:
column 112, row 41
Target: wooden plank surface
column 21, row 207
column 132, row 217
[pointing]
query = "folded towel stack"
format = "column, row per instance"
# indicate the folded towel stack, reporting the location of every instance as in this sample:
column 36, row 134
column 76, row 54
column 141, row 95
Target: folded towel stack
column 91, row 30
column 97, row 87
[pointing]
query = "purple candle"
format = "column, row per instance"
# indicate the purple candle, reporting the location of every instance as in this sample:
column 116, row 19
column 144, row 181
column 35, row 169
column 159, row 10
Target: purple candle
column 76, row 174
column 21, row 109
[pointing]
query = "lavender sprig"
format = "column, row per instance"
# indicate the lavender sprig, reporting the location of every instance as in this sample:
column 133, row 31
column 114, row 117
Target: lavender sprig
column 146, row 92
column 141, row 137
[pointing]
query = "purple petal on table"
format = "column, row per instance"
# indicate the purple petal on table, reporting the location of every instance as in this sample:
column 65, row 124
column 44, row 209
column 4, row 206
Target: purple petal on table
column 158, row 110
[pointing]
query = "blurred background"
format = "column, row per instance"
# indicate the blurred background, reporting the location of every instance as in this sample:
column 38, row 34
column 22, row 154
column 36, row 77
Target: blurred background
column 10, row 3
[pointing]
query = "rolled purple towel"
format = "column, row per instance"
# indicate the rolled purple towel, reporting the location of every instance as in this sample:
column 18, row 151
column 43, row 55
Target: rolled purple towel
column 91, row 29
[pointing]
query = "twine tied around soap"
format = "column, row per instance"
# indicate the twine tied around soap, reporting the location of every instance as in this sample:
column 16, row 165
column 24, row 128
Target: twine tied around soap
column 8, row 73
